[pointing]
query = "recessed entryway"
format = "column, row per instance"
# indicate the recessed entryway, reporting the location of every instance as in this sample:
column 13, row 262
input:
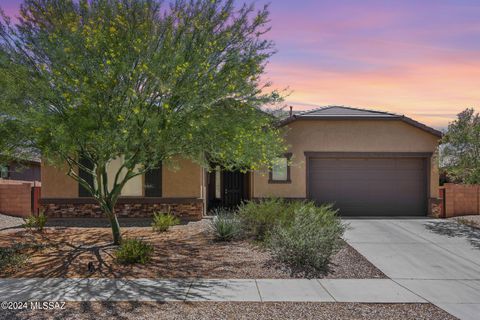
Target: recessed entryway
column 227, row 189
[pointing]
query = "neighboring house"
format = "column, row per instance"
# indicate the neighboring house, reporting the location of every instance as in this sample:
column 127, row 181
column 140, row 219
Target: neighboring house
column 20, row 186
column 24, row 170
column 368, row 163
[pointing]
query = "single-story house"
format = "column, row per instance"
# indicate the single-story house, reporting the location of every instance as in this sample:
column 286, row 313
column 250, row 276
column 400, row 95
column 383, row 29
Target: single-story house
column 368, row 163
column 21, row 169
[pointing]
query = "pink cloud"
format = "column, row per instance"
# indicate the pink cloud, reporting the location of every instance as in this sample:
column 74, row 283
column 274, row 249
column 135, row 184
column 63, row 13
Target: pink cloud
column 421, row 91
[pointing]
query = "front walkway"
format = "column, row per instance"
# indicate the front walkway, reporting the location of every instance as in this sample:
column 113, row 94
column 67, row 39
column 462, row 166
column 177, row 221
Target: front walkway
column 436, row 259
column 261, row 290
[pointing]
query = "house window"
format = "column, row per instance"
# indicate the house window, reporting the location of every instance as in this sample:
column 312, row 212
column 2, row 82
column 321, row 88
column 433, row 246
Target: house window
column 153, row 182
column 280, row 172
column 4, row 172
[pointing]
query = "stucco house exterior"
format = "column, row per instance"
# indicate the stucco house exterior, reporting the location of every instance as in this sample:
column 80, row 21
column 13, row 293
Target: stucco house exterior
column 23, row 170
column 368, row 163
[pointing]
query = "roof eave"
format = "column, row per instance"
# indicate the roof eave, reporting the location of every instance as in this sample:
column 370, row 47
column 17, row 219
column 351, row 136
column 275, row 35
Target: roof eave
column 405, row 119
column 422, row 126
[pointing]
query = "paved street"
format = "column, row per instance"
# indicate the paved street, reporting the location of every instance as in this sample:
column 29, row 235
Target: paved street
column 437, row 260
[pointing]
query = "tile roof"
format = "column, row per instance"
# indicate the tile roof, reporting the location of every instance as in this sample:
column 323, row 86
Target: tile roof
column 343, row 111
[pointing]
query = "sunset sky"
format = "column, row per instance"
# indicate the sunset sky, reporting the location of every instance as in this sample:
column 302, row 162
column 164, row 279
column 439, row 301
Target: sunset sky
column 419, row 58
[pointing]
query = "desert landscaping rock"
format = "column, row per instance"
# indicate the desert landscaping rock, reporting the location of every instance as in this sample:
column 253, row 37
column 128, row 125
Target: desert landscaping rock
column 185, row 251
column 471, row 220
column 233, row 310
column 350, row 264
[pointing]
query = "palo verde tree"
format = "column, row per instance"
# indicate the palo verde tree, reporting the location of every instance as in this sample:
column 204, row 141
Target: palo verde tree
column 14, row 144
column 139, row 80
column 460, row 152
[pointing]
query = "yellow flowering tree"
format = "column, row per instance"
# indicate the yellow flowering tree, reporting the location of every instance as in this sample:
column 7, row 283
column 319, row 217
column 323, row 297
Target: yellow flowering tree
column 141, row 80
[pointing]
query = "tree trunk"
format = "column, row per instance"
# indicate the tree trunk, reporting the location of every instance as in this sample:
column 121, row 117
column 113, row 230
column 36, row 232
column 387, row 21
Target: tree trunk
column 109, row 210
column 117, row 236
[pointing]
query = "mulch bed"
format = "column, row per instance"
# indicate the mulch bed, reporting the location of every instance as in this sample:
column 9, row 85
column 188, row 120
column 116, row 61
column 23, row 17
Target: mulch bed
column 185, row 251
column 233, row 310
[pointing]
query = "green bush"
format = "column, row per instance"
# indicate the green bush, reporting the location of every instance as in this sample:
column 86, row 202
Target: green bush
column 308, row 242
column 11, row 258
column 134, row 251
column 258, row 219
column 225, row 225
column 35, row 222
column 163, row 221
column 14, row 257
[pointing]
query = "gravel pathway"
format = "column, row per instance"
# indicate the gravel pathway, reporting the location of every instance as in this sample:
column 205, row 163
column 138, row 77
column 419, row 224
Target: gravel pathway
column 233, row 310
column 9, row 222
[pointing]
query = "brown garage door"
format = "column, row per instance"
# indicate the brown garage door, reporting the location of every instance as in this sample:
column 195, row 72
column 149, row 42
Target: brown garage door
column 370, row 186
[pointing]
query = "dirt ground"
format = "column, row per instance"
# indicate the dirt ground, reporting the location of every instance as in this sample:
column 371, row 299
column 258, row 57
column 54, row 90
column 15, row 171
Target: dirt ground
column 185, row 251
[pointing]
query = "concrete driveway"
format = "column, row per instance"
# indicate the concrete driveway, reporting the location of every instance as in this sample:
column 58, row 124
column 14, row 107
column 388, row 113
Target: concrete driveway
column 435, row 259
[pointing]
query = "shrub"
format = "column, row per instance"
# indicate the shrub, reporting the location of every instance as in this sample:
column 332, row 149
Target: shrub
column 258, row 219
column 134, row 251
column 35, row 222
column 225, row 225
column 14, row 257
column 308, row 242
column 10, row 258
column 163, row 221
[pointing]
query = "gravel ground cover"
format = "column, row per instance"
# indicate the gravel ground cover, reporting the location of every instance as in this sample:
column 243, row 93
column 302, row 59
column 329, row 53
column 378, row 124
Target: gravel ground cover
column 7, row 223
column 233, row 310
column 472, row 220
column 185, row 251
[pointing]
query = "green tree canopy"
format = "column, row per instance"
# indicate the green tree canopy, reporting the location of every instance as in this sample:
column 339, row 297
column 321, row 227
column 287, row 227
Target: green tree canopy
column 142, row 80
column 460, row 152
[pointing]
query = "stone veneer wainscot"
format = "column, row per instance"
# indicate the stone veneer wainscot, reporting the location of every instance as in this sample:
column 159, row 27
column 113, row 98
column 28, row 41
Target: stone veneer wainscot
column 187, row 209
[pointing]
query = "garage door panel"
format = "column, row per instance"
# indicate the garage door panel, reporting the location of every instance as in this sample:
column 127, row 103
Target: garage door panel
column 375, row 187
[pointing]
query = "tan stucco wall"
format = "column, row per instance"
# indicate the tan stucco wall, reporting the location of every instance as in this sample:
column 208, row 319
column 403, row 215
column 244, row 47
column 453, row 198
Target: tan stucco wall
column 134, row 187
column 345, row 136
column 56, row 184
column 183, row 179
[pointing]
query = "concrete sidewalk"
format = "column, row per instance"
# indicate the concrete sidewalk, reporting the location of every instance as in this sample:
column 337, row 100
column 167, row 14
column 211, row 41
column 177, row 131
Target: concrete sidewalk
column 261, row 290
